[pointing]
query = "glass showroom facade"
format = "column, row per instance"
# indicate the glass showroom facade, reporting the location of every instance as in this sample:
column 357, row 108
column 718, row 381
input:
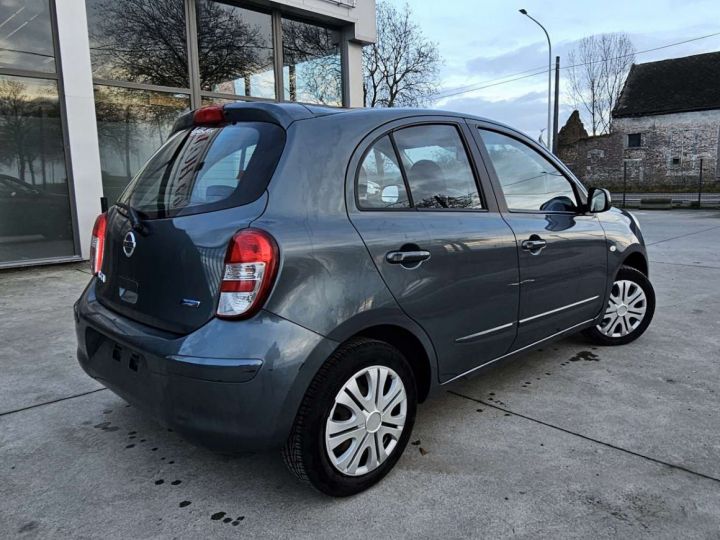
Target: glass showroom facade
column 149, row 61
column 35, row 200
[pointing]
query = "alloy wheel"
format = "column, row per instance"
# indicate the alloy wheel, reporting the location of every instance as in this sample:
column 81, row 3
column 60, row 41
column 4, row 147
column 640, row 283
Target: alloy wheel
column 366, row 420
column 626, row 309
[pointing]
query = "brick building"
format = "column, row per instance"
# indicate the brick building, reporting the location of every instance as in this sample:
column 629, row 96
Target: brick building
column 666, row 121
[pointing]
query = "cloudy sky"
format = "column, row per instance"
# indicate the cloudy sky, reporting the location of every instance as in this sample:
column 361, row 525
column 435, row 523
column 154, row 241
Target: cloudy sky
column 487, row 40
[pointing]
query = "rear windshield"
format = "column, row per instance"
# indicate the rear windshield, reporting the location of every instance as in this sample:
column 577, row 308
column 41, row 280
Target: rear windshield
column 205, row 169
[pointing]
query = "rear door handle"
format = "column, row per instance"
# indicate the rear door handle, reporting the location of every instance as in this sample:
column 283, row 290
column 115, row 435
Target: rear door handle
column 407, row 257
column 534, row 245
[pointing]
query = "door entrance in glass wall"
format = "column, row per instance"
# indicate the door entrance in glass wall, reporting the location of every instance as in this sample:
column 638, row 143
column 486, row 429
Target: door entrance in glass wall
column 35, row 210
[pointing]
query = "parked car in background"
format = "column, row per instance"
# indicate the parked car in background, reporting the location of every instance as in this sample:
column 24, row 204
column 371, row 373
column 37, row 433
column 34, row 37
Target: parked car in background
column 296, row 277
column 30, row 210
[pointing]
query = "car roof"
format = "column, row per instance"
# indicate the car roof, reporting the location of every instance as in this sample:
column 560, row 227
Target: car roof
column 285, row 114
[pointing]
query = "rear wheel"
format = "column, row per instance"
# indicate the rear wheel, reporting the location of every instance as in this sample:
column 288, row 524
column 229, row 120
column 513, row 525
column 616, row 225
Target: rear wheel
column 355, row 420
column 629, row 311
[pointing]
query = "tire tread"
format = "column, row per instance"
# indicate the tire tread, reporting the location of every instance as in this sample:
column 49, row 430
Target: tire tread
column 292, row 451
column 595, row 336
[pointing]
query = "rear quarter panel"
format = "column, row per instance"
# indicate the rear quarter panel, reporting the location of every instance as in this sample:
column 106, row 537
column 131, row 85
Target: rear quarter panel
column 327, row 281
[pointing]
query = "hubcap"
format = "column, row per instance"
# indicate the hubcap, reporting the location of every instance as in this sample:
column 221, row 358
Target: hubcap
column 366, row 421
column 625, row 311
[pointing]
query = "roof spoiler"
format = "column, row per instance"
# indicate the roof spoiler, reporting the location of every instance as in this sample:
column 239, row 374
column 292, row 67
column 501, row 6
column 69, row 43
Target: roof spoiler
column 281, row 115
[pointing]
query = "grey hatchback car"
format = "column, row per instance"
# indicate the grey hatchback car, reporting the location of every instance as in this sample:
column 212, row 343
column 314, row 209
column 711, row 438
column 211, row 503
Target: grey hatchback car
column 298, row 277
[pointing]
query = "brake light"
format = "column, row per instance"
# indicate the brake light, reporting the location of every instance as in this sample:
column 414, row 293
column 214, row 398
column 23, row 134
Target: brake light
column 250, row 268
column 212, row 114
column 97, row 244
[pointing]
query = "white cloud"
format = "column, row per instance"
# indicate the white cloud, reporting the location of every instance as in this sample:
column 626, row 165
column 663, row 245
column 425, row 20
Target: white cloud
column 527, row 112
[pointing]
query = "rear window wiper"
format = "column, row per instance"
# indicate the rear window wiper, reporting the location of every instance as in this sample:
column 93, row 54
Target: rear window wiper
column 132, row 215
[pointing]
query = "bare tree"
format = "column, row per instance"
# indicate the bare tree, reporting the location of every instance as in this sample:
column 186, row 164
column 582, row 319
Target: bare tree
column 145, row 41
column 402, row 67
column 313, row 52
column 30, row 130
column 600, row 64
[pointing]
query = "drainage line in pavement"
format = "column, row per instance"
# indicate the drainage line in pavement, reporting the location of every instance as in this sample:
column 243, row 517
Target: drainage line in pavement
column 687, row 265
column 609, row 445
column 51, row 402
column 682, row 236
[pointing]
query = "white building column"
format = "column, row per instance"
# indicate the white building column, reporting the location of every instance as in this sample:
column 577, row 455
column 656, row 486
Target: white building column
column 83, row 157
column 352, row 74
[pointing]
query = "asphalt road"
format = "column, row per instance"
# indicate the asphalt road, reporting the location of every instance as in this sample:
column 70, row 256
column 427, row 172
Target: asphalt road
column 569, row 441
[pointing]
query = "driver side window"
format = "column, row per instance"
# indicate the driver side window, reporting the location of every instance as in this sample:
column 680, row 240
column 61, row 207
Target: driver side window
column 528, row 180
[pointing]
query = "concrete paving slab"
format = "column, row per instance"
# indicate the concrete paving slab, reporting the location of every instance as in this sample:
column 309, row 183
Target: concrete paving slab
column 659, row 225
column 37, row 336
column 659, row 396
column 92, row 467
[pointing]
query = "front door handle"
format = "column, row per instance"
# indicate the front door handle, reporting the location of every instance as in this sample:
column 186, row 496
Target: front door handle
column 407, row 257
column 534, row 244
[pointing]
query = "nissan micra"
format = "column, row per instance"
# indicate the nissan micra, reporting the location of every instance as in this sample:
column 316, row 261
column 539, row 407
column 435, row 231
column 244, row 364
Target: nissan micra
column 300, row 278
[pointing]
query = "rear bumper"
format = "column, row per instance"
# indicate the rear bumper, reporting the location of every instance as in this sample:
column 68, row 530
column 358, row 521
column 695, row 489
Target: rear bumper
column 228, row 385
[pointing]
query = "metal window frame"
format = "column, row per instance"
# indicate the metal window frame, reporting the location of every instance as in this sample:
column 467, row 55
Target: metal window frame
column 19, row 72
column 233, row 97
column 195, row 91
column 141, row 86
column 639, row 140
column 70, row 180
column 278, row 56
column 193, row 53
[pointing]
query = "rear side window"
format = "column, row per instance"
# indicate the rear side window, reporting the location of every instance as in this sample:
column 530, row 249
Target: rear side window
column 206, row 169
column 437, row 167
column 380, row 182
column 430, row 161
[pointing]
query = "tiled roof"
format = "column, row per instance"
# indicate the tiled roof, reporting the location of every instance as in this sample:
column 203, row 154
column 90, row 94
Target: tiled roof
column 684, row 84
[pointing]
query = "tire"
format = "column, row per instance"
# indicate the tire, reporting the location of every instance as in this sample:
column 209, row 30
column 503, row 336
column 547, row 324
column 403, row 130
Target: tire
column 307, row 452
column 630, row 284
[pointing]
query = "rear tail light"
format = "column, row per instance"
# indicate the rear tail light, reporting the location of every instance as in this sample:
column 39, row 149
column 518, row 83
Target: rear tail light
column 97, row 244
column 250, row 268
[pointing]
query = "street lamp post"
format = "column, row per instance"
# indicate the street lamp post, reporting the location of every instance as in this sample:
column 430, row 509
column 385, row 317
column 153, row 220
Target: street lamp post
column 549, row 115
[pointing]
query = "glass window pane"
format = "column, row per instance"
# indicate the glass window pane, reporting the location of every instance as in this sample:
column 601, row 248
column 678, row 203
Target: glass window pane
column 312, row 68
column 26, row 35
column 35, row 220
column 132, row 124
column 380, row 182
column 438, row 170
column 142, row 41
column 528, row 180
column 235, row 50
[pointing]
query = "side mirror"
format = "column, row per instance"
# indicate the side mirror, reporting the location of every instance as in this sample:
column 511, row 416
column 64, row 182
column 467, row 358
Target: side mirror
column 390, row 194
column 599, row 200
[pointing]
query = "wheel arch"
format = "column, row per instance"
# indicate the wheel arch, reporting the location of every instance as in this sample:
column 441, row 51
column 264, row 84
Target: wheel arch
column 411, row 348
column 637, row 261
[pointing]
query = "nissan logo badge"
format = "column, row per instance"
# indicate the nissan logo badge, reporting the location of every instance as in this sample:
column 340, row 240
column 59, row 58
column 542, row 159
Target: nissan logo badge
column 129, row 244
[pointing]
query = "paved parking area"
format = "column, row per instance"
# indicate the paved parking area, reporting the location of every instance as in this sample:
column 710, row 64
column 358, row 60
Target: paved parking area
column 568, row 441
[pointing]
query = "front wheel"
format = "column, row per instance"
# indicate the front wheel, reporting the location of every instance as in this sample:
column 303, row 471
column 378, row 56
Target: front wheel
column 355, row 419
column 629, row 312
